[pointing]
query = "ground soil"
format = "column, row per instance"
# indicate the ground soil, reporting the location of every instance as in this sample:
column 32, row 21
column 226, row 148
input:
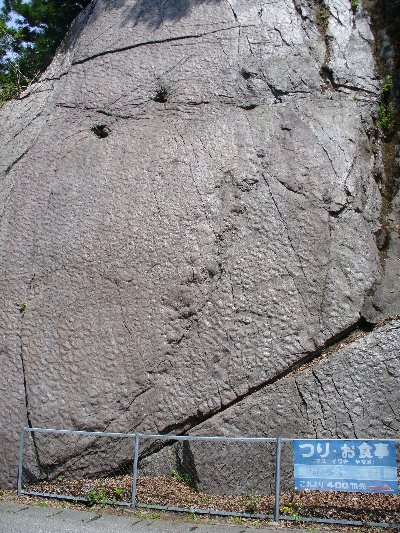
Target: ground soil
column 173, row 492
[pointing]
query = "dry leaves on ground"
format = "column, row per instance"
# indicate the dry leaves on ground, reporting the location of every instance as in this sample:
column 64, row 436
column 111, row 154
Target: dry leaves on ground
column 171, row 492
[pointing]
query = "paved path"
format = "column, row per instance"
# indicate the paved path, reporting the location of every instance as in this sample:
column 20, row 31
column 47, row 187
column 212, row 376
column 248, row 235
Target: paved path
column 18, row 518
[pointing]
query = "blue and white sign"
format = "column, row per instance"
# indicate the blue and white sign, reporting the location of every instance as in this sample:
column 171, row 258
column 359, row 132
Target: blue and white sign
column 345, row 466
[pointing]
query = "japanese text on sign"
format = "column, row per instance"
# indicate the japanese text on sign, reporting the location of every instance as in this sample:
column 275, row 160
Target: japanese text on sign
column 345, row 466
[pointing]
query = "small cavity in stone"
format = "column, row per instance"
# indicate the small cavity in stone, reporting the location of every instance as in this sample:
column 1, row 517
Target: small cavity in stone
column 248, row 107
column 246, row 74
column 161, row 95
column 101, row 130
column 382, row 238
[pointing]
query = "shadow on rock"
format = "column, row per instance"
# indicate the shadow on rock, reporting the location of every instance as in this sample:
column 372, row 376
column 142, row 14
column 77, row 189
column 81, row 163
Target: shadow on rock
column 154, row 13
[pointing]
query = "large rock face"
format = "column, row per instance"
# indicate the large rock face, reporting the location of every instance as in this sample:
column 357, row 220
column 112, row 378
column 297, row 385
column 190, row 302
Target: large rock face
column 189, row 212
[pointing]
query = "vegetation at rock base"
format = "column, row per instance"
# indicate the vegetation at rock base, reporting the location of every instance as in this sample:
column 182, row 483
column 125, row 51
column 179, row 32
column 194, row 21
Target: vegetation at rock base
column 30, row 32
column 172, row 492
column 292, row 511
column 252, row 503
column 117, row 493
column 386, row 113
column 96, row 497
column 187, row 479
column 354, row 6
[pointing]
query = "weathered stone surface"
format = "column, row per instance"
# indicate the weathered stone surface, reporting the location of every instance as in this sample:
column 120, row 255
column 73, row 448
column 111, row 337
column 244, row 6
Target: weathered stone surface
column 350, row 393
column 188, row 210
column 385, row 298
column 341, row 395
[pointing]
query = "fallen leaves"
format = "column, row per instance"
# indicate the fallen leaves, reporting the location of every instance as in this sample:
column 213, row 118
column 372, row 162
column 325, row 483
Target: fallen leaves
column 167, row 491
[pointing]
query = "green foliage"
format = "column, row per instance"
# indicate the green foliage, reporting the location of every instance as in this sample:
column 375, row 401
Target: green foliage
column 386, row 114
column 187, row 479
column 22, row 308
column 40, row 504
column 354, row 6
column 252, row 503
column 387, row 87
column 117, row 493
column 154, row 516
column 386, row 118
column 291, row 510
column 95, row 497
column 323, row 17
column 30, row 32
column 10, row 76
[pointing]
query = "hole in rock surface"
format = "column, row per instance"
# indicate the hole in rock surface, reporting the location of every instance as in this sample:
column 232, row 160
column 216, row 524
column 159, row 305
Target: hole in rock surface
column 326, row 74
column 101, row 130
column 245, row 73
column 248, row 107
column 161, row 95
column 382, row 238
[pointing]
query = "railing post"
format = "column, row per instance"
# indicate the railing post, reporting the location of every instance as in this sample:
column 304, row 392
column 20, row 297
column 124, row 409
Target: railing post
column 20, row 461
column 277, row 479
column 135, row 470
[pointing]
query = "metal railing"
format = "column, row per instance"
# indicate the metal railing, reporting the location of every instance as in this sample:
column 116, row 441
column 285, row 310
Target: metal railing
column 121, row 469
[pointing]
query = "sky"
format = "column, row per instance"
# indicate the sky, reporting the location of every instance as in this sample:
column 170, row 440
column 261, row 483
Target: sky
column 1, row 5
